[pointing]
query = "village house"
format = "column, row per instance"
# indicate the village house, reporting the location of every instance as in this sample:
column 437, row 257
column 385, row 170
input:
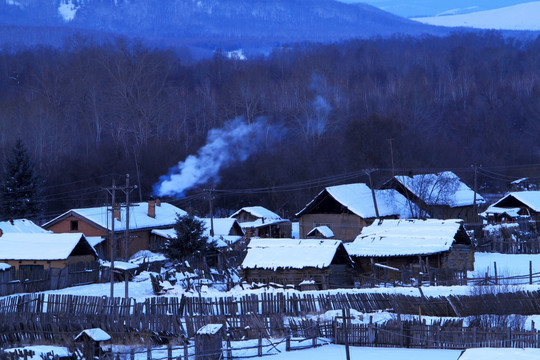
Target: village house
column 390, row 246
column 257, row 221
column 311, row 263
column 97, row 222
column 21, row 226
column 514, row 206
column 32, row 251
column 346, row 209
column 440, row 196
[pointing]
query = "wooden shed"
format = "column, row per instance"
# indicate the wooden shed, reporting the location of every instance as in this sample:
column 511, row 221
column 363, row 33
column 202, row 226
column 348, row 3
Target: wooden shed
column 513, row 206
column 421, row 244
column 257, row 221
column 209, row 342
column 91, row 340
column 324, row 264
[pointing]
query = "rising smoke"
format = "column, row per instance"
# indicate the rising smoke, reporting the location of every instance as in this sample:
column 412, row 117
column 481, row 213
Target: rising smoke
column 235, row 142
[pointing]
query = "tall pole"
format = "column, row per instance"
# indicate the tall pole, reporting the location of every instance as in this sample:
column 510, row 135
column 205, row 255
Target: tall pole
column 391, row 155
column 211, row 205
column 126, row 240
column 368, row 172
column 112, row 237
column 475, row 207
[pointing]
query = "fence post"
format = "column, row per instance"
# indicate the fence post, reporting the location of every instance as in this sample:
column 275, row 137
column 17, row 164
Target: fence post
column 149, row 353
column 186, row 353
column 530, row 272
column 495, row 269
column 132, row 354
column 229, row 347
column 259, row 345
column 169, row 351
column 288, row 341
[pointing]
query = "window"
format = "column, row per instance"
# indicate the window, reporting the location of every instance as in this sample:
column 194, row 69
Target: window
column 74, row 225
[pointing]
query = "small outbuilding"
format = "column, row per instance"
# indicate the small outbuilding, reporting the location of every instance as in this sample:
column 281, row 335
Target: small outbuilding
column 91, row 340
column 324, row 264
column 257, row 221
column 209, row 342
column 392, row 245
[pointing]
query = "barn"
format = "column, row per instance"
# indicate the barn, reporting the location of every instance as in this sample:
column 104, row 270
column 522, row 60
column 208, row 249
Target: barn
column 322, row 263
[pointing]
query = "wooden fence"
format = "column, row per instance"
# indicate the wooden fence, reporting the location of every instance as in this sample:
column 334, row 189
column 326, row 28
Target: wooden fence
column 417, row 335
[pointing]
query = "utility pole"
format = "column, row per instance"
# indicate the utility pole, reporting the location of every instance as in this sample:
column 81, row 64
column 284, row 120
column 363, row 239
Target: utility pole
column 475, row 206
column 127, row 189
column 211, row 205
column 391, row 155
column 368, row 173
column 112, row 191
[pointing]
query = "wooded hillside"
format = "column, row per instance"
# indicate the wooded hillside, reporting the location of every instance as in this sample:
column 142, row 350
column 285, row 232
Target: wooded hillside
column 88, row 111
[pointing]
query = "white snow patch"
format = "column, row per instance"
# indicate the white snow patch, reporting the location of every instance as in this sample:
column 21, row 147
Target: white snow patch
column 68, row 10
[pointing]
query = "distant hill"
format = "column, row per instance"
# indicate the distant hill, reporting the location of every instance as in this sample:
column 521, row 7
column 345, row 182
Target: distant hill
column 524, row 17
column 203, row 23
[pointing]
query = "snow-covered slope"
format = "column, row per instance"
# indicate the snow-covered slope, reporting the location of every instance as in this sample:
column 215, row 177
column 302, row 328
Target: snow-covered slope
column 517, row 17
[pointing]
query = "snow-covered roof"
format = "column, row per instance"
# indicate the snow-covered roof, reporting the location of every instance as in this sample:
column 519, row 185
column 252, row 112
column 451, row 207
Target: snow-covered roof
column 21, row 226
column 95, row 240
column 324, row 230
column 530, row 199
column 120, row 265
column 4, row 266
column 262, row 223
column 358, row 199
column 494, row 210
column 405, row 237
column 258, row 212
column 95, row 334
column 444, row 188
column 222, row 226
column 290, row 253
column 210, row 329
column 138, row 216
column 39, row 246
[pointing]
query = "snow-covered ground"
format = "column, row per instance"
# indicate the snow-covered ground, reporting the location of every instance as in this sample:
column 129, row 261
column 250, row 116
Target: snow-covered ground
column 517, row 17
column 507, row 265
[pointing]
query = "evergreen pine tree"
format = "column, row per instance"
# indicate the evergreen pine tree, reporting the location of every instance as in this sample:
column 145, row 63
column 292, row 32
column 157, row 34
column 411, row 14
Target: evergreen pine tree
column 20, row 187
column 190, row 239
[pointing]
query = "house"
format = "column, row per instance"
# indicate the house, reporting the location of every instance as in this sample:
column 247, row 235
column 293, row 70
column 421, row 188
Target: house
column 258, row 221
column 440, row 196
column 322, row 263
column 513, row 206
column 45, row 251
column 96, row 222
column 346, row 209
column 21, row 226
column 421, row 244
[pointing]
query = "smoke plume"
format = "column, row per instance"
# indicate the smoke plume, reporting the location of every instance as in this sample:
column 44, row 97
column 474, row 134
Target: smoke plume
column 235, row 142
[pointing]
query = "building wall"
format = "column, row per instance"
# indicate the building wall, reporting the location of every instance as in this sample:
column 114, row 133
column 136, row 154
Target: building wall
column 58, row 264
column 64, row 226
column 288, row 276
column 346, row 227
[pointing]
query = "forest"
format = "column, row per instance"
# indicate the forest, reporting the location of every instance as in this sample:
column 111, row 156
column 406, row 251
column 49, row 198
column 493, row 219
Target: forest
column 89, row 112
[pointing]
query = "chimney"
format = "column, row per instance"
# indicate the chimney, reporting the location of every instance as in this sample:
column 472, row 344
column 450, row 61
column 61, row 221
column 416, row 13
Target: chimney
column 158, row 202
column 117, row 213
column 152, row 209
